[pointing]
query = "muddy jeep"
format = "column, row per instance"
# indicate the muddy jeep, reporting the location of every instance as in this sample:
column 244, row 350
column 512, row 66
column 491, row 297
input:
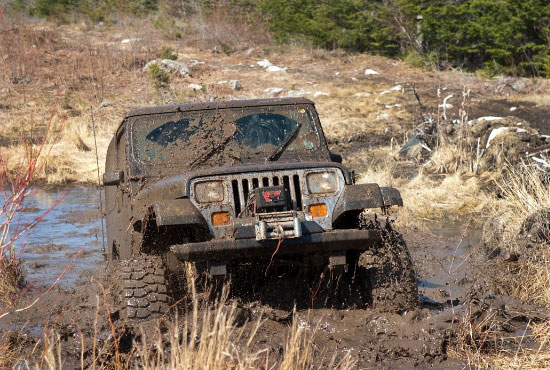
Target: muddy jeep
column 229, row 186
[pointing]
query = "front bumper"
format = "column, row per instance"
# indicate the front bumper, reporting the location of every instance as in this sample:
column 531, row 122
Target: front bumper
column 318, row 243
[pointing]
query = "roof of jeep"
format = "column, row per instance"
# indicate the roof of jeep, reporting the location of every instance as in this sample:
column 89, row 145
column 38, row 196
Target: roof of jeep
column 215, row 105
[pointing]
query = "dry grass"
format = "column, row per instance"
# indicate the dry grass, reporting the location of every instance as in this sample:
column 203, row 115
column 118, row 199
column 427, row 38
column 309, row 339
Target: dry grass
column 479, row 339
column 519, row 225
column 428, row 197
column 517, row 355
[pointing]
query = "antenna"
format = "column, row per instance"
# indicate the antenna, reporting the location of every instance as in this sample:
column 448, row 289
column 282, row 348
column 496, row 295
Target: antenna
column 98, row 183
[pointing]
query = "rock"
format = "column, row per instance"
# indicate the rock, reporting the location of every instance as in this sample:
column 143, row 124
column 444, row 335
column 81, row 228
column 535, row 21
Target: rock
column 512, row 109
column 361, row 95
column 519, row 84
column 497, row 131
column 195, row 62
column 320, row 93
column 250, row 51
column 273, row 91
column 413, row 147
column 264, row 63
column 235, row 85
column 195, row 87
column 337, row 73
column 275, row 69
column 105, row 104
column 168, row 65
column 175, row 66
column 383, row 117
column 370, row 72
column 487, row 118
column 128, row 41
column 494, row 133
column 216, row 50
column 297, row 93
column 222, row 82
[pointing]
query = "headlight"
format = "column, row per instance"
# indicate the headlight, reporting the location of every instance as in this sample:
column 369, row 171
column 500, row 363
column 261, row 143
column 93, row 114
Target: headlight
column 209, row 191
column 322, row 183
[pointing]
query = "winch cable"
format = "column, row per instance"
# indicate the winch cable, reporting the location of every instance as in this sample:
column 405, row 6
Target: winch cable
column 274, row 253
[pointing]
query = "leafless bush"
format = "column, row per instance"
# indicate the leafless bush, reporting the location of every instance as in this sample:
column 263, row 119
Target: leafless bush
column 17, row 180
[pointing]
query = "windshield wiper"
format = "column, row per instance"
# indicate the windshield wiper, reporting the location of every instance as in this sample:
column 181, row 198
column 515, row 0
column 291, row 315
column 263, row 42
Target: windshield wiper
column 285, row 143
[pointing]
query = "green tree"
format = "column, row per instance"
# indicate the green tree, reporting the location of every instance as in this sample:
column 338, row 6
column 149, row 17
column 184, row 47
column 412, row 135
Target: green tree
column 507, row 36
column 350, row 24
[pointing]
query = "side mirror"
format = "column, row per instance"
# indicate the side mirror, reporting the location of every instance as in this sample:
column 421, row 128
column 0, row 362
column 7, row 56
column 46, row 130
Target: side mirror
column 336, row 158
column 113, row 178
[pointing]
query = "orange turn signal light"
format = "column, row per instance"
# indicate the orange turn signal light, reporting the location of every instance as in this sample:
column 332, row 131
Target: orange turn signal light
column 318, row 210
column 220, row 218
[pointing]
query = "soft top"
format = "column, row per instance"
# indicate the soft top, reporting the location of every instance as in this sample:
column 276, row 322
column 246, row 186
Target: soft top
column 215, row 105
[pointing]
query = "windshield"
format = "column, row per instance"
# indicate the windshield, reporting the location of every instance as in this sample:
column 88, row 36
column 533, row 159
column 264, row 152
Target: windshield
column 224, row 136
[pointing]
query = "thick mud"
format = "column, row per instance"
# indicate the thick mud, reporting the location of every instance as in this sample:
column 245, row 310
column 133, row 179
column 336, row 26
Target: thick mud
column 444, row 256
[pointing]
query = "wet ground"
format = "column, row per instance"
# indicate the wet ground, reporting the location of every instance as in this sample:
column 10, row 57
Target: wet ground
column 445, row 261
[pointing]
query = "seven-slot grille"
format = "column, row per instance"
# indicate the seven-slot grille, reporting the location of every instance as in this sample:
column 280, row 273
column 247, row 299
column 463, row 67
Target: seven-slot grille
column 242, row 185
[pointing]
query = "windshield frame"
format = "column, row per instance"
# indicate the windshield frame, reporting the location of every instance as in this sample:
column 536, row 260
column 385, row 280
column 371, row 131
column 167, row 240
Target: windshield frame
column 318, row 153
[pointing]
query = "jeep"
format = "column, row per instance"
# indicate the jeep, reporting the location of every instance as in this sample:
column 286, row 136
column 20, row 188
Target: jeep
column 239, row 184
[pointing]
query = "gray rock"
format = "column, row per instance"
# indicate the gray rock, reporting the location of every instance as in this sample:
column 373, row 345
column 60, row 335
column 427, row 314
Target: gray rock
column 168, row 65
column 105, row 104
column 414, row 147
column 383, row 117
column 273, row 91
column 194, row 87
column 519, row 84
column 319, row 94
column 264, row 63
column 175, row 66
column 275, row 69
column 235, row 85
column 297, row 93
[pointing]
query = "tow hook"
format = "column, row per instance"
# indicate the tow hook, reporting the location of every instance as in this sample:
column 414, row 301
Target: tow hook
column 337, row 263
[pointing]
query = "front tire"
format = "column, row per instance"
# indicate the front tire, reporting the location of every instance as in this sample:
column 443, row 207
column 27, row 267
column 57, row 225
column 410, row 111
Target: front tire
column 386, row 272
column 142, row 289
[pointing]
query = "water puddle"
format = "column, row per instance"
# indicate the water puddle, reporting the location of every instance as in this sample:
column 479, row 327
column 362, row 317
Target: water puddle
column 67, row 241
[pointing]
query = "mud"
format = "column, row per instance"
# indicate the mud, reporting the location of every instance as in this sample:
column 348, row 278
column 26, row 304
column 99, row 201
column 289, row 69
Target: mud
column 445, row 260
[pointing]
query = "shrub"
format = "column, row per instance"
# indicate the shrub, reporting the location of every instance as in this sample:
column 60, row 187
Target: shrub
column 159, row 78
column 167, row 53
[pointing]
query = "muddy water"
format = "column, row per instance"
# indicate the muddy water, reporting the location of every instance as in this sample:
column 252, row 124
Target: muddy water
column 67, row 241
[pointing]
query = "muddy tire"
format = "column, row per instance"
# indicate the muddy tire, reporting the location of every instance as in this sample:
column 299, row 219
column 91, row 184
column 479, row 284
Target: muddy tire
column 387, row 273
column 142, row 289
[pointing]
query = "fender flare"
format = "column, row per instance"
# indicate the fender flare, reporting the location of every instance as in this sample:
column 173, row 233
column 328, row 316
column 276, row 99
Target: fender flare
column 356, row 198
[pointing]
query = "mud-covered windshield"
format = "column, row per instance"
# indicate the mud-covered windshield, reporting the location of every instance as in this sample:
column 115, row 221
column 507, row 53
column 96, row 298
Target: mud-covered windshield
column 224, row 136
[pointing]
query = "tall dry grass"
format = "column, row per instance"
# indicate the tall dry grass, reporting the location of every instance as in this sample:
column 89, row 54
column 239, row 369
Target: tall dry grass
column 531, row 350
column 519, row 226
column 427, row 197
